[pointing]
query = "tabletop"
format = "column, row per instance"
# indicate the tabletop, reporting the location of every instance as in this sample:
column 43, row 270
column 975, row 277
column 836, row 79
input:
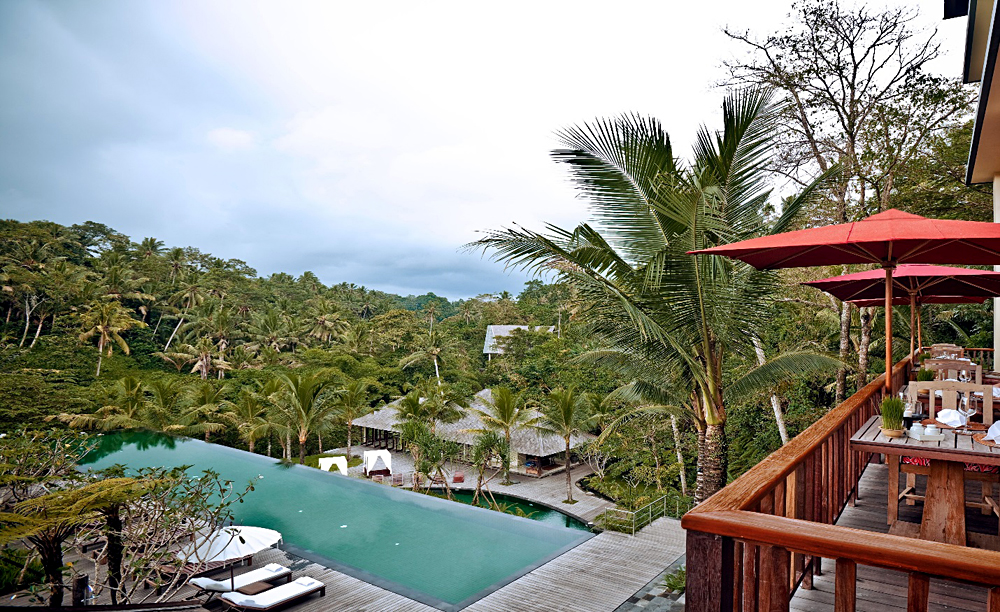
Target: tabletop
column 954, row 447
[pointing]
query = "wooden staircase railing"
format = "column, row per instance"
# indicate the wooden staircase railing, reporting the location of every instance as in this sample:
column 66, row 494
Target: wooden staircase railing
column 752, row 544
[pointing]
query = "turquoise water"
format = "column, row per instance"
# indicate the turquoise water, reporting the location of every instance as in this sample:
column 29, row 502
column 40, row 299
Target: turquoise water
column 535, row 511
column 427, row 548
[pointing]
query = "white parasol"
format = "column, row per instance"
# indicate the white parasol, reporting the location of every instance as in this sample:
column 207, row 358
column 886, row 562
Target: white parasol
column 230, row 543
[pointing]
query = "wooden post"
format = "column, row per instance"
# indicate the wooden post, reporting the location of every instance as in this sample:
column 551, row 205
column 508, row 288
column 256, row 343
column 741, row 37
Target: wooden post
column 709, row 572
column 913, row 318
column 888, row 327
column 918, row 592
column 80, row 584
column 774, row 564
column 993, row 602
column 845, row 591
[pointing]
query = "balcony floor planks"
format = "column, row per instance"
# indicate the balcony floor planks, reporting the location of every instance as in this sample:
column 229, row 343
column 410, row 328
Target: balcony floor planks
column 884, row 590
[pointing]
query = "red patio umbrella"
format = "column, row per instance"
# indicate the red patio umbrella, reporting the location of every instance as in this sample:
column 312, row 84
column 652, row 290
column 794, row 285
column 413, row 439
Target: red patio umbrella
column 917, row 284
column 887, row 239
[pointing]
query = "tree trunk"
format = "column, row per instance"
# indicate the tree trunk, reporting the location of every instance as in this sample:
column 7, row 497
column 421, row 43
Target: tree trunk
column 173, row 333
column 779, row 417
column 268, row 445
column 100, row 356
column 319, row 437
column 157, row 324
column 38, row 331
column 251, row 445
column 115, row 551
column 712, row 461
column 288, row 446
column 680, row 455
column 52, row 563
column 866, row 339
column 27, row 322
column 506, row 467
column 302, row 450
column 436, row 372
column 569, row 476
column 845, row 345
column 349, row 427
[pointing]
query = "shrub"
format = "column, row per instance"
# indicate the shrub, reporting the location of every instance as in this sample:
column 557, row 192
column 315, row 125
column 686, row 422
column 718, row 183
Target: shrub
column 925, row 375
column 12, row 564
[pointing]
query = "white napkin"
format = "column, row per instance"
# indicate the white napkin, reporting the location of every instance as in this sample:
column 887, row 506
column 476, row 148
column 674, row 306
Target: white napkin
column 994, row 433
column 952, row 418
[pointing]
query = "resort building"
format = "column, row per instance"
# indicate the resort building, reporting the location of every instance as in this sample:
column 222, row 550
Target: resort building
column 492, row 347
column 533, row 453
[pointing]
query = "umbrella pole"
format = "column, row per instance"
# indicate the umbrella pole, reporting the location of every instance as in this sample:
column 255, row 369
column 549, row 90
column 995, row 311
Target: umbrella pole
column 913, row 317
column 888, row 328
column 920, row 328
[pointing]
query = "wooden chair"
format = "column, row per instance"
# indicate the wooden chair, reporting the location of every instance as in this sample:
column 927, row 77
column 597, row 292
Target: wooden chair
column 949, row 368
column 950, row 392
column 937, row 350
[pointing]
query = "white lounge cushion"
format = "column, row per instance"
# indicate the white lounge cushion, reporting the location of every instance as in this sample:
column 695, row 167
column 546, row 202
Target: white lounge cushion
column 275, row 596
column 268, row 573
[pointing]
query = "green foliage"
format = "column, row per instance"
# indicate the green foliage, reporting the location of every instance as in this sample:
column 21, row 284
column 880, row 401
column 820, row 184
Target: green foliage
column 924, row 375
column 676, row 581
column 17, row 571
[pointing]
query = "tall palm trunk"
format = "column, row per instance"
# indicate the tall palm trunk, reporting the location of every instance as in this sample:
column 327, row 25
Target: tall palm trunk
column 302, row 449
column 174, row 333
column 350, row 423
column 866, row 339
column 569, row 476
column 680, row 455
column 436, row 372
column 38, row 331
column 100, row 356
column 845, row 345
column 712, row 461
column 779, row 417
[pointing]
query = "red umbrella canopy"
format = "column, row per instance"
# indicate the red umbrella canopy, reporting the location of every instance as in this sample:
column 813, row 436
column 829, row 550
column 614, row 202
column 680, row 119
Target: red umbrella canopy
column 892, row 236
column 921, row 280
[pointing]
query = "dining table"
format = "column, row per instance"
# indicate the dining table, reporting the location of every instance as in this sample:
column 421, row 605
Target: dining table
column 943, row 517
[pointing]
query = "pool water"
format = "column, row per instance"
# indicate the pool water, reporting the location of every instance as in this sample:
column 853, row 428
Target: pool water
column 439, row 552
column 532, row 510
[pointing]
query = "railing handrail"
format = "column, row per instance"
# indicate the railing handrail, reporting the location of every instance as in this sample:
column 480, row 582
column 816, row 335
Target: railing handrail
column 865, row 547
column 746, row 491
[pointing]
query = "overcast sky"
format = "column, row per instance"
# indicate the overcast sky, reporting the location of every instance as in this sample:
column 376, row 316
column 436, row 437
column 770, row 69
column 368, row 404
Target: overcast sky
column 365, row 141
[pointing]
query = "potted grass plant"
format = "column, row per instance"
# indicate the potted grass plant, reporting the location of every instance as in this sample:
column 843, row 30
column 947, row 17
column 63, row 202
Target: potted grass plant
column 924, row 375
column 892, row 417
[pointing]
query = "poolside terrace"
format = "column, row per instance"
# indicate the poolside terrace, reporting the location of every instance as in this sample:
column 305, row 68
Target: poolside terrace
column 596, row 576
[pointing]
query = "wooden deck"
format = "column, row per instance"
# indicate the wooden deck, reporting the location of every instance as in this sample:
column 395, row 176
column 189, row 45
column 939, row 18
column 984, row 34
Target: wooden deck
column 883, row 590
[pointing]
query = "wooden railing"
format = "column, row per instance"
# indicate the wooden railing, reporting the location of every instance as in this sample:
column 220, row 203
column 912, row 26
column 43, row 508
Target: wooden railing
column 982, row 356
column 752, row 544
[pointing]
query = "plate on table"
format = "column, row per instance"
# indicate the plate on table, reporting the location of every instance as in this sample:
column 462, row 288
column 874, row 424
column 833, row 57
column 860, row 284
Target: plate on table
column 981, row 438
column 970, row 426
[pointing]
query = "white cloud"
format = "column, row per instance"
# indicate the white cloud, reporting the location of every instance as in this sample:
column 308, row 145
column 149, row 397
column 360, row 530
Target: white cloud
column 230, row 139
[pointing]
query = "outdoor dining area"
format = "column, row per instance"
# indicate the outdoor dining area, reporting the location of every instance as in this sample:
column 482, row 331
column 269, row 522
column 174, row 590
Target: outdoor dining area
column 889, row 501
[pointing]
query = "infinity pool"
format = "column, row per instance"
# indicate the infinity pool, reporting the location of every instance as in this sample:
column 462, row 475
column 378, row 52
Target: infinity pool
column 436, row 551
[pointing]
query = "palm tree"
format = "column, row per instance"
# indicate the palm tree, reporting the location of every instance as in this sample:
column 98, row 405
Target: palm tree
column 505, row 411
column 323, row 321
column 188, row 297
column 150, row 247
column 177, row 260
column 249, row 416
column 124, row 408
column 163, row 406
column 205, row 412
column 353, row 402
column 270, row 330
column 302, row 401
column 668, row 319
column 489, row 447
column 433, row 346
column 106, row 321
column 565, row 416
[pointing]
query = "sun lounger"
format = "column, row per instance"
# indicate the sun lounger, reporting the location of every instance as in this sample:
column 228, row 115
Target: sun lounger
column 269, row 573
column 278, row 596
